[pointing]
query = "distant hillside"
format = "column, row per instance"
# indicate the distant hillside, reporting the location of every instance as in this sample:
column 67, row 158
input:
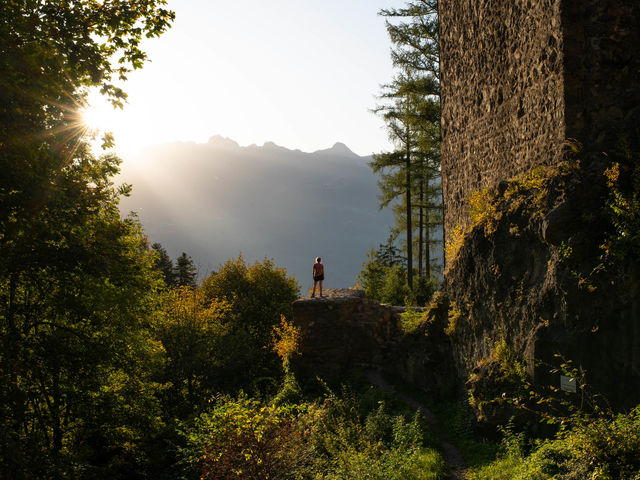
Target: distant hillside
column 217, row 199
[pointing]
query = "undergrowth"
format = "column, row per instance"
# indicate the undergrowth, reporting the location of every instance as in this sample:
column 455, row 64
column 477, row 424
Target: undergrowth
column 601, row 445
column 604, row 448
column 334, row 437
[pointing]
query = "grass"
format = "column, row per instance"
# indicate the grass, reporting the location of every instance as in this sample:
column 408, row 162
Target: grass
column 458, row 427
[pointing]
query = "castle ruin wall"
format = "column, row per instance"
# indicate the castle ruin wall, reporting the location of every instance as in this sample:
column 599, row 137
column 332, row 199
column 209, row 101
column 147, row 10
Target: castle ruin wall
column 521, row 77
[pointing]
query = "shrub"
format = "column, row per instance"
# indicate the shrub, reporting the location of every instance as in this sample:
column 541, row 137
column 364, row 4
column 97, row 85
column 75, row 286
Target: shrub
column 258, row 296
column 605, row 448
column 510, row 364
column 241, row 439
column 286, row 339
column 483, row 209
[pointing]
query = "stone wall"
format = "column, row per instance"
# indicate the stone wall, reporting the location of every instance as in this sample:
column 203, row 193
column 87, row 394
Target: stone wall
column 345, row 332
column 340, row 331
column 502, row 94
column 520, row 77
column 602, row 71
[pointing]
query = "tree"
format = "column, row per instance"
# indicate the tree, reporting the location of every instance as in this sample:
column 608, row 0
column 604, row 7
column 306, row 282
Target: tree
column 194, row 333
column 184, row 272
column 259, row 295
column 383, row 275
column 52, row 53
column 388, row 254
column 411, row 110
column 75, row 350
column 76, row 281
column 397, row 116
column 164, row 264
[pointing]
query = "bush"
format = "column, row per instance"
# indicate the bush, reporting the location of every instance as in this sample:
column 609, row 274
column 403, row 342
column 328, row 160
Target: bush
column 240, row 438
column 604, row 448
column 258, row 295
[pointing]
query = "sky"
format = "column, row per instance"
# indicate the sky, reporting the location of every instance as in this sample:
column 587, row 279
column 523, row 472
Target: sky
column 301, row 73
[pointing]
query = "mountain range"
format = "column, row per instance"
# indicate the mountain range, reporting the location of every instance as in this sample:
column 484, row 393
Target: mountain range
column 217, row 200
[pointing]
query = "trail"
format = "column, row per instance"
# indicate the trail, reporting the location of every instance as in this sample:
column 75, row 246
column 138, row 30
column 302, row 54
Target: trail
column 453, row 457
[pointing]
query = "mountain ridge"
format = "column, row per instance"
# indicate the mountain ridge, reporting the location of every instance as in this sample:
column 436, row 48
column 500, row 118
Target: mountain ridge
column 216, row 200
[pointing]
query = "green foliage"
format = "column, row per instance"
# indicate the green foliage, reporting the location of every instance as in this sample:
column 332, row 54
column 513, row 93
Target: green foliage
column 77, row 287
column 509, row 362
column 372, row 275
column 411, row 110
column 454, row 317
column 381, row 446
column 383, row 277
column 454, row 244
column 240, row 438
column 163, row 263
column 182, row 274
column 396, row 464
column 482, row 210
column 394, row 287
column 54, row 49
column 412, row 319
column 258, row 296
column 606, row 447
column 52, row 53
column 424, row 290
column 193, row 333
column 623, row 206
column 388, row 254
column 286, row 340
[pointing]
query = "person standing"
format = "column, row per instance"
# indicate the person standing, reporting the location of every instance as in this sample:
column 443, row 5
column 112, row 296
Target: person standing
column 318, row 276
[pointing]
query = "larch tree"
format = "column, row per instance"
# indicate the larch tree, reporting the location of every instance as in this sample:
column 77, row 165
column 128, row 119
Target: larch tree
column 410, row 175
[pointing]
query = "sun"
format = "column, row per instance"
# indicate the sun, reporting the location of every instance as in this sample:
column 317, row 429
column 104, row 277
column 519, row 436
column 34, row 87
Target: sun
column 100, row 116
column 93, row 118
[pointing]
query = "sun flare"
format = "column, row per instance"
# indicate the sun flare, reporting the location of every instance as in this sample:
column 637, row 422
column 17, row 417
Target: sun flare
column 100, row 116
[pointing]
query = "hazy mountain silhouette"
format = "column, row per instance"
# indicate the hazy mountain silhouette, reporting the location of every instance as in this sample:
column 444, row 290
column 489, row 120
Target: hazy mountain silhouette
column 217, row 199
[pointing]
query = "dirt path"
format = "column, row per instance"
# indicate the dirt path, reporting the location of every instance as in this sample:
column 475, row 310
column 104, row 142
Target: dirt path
column 453, row 457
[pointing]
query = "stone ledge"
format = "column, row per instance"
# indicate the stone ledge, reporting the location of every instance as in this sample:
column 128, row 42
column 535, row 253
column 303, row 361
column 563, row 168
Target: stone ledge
column 335, row 294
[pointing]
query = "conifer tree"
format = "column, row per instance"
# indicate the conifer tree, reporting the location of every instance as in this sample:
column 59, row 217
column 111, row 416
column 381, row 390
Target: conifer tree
column 184, row 272
column 164, row 264
column 410, row 175
column 398, row 182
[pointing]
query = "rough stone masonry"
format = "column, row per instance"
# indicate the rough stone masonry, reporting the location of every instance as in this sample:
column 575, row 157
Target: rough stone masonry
column 521, row 77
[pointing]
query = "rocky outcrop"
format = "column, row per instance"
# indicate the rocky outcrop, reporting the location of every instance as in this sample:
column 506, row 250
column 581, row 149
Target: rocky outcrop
column 539, row 274
column 548, row 266
column 344, row 330
column 340, row 331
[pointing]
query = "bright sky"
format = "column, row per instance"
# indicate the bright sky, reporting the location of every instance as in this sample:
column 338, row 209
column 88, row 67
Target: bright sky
column 300, row 73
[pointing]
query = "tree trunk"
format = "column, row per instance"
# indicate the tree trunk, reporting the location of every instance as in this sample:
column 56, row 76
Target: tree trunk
column 421, row 228
column 409, row 229
column 427, row 253
column 56, row 426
